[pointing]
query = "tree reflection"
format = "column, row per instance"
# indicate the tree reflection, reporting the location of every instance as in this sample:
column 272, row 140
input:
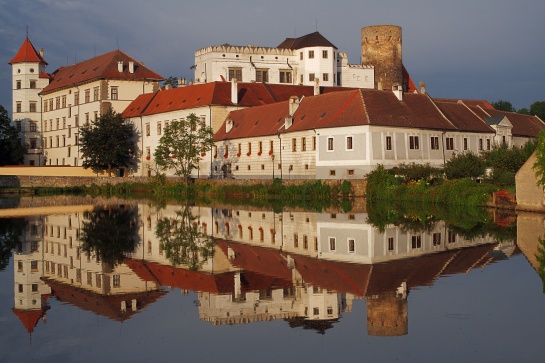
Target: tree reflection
column 540, row 257
column 10, row 231
column 183, row 241
column 109, row 233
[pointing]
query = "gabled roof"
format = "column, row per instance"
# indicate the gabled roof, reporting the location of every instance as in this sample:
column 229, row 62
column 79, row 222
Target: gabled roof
column 27, row 53
column 338, row 109
column 462, row 117
column 215, row 93
column 104, row 66
column 471, row 103
column 310, row 40
column 523, row 125
column 29, row 318
column 495, row 120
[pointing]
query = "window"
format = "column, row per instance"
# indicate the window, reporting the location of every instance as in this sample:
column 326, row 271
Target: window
column 260, row 148
column 436, row 239
column 465, row 143
column 148, row 129
column 480, row 144
column 32, row 106
column 332, row 172
column 301, row 79
column 51, row 105
column 271, row 147
column 313, row 142
column 310, row 54
column 301, row 55
column 76, row 98
column 18, row 84
column 45, row 105
column 95, row 94
column 305, row 242
column 113, row 92
column 18, row 108
column 117, row 280
column 63, row 101
column 159, row 128
column 329, row 144
column 303, row 144
column 57, row 123
column 33, row 143
column 295, row 240
column 324, row 54
column 32, row 84
column 262, row 75
column 416, row 241
column 487, row 144
column 351, row 245
column 33, row 127
column 293, row 144
column 349, row 145
column 57, row 103
column 450, row 143
column 34, row 265
column 311, row 77
column 413, row 143
column 87, row 95
column 451, row 237
column 332, row 243
column 434, row 143
column 350, row 171
column 388, row 143
column 285, row 76
column 235, row 73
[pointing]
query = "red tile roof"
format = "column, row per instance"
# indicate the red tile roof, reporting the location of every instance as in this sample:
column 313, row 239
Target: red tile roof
column 27, row 53
column 105, row 305
column 523, row 125
column 338, row 109
column 215, row 93
column 462, row 117
column 310, row 40
column 29, row 318
column 104, row 66
column 471, row 103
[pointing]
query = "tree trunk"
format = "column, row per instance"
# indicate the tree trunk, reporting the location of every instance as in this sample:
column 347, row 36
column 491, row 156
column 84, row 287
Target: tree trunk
column 109, row 171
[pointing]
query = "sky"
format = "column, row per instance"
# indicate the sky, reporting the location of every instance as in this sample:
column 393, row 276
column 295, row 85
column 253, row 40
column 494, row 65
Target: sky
column 465, row 49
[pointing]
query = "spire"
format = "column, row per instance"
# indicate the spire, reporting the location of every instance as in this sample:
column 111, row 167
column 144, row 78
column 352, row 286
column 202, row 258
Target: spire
column 27, row 53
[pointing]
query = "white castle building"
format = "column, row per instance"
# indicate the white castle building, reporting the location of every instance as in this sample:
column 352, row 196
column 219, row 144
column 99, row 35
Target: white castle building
column 296, row 61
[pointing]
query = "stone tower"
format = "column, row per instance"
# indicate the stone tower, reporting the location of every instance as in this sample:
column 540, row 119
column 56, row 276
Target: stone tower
column 381, row 48
column 387, row 315
column 28, row 79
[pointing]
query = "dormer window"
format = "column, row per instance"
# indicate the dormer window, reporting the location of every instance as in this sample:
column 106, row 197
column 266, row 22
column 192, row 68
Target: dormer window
column 228, row 126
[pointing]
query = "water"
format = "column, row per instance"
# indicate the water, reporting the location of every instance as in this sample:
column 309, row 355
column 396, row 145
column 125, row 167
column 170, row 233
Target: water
column 138, row 282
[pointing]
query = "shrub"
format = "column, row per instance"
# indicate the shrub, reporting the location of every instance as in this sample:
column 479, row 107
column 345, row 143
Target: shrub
column 413, row 171
column 465, row 165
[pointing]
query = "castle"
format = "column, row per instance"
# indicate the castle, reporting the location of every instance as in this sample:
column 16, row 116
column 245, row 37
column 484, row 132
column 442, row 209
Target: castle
column 295, row 111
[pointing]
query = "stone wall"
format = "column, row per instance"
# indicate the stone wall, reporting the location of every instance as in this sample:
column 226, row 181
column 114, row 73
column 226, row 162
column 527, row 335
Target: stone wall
column 27, row 181
column 529, row 195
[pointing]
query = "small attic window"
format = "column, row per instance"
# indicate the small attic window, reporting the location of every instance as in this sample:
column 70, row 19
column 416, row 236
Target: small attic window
column 170, row 103
column 95, row 69
column 85, row 71
column 280, row 119
column 223, row 55
column 323, row 114
column 256, row 122
column 262, row 57
column 183, row 101
column 70, row 76
column 198, row 98
column 302, row 117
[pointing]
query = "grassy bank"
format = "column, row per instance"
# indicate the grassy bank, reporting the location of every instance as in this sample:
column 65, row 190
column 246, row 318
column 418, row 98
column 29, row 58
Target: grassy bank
column 382, row 185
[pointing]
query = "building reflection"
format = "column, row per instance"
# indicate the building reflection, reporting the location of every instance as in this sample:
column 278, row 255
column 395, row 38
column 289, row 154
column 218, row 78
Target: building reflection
column 302, row 267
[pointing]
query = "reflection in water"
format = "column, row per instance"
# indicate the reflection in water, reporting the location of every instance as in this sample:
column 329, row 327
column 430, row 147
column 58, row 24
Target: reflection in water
column 245, row 265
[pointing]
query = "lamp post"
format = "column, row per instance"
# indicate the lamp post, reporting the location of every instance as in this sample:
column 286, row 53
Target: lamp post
column 272, row 158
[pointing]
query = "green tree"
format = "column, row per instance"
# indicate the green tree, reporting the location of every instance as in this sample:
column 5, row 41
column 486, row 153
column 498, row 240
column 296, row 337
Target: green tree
column 172, row 81
column 183, row 240
column 538, row 109
column 10, row 230
column 502, row 105
column 109, row 233
column 12, row 150
column 524, row 111
column 110, row 142
column 539, row 165
column 182, row 144
column 465, row 165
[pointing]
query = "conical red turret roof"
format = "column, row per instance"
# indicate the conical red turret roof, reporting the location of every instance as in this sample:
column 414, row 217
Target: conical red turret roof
column 27, row 53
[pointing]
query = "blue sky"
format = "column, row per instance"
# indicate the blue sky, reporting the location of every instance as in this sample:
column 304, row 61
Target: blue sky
column 480, row 49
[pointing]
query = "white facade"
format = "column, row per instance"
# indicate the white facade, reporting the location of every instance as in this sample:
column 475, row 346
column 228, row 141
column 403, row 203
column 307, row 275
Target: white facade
column 280, row 66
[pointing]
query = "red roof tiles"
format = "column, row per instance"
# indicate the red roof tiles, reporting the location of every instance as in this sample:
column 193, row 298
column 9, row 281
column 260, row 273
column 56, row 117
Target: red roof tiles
column 104, row 66
column 523, row 125
column 462, row 117
column 310, row 40
column 27, row 53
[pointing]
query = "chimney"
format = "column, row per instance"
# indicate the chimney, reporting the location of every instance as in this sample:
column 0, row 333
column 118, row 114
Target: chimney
column 398, row 91
column 293, row 105
column 120, row 66
column 423, row 88
column 180, row 82
column 168, row 86
column 234, row 91
column 316, row 86
column 131, row 67
column 42, row 52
